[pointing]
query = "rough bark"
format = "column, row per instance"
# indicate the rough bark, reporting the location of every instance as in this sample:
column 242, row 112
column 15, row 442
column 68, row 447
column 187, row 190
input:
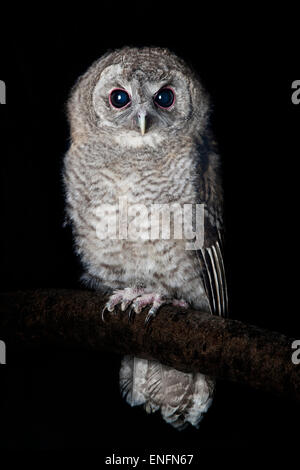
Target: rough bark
column 187, row 340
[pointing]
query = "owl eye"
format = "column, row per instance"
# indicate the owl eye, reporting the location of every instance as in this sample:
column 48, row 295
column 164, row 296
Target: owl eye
column 164, row 98
column 119, row 98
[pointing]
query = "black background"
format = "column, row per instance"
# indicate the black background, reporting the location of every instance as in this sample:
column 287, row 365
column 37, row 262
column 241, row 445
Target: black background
column 247, row 61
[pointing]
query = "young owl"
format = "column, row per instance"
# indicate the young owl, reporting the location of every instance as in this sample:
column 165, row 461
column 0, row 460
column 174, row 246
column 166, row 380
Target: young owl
column 140, row 134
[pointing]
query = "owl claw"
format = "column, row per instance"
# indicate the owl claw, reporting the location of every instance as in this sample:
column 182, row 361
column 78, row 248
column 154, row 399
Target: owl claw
column 131, row 313
column 158, row 302
column 151, row 314
column 103, row 312
column 109, row 308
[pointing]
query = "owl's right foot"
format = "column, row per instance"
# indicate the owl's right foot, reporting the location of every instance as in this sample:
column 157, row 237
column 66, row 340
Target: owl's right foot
column 123, row 297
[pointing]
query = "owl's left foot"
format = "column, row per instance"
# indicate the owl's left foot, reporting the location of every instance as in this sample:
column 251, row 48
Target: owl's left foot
column 138, row 300
column 155, row 301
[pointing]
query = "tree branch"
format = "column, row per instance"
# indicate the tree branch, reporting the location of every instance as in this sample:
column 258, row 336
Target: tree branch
column 187, row 340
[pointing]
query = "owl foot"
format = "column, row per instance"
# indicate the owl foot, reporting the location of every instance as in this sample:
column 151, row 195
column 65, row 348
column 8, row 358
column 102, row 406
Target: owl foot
column 138, row 300
column 123, row 297
column 157, row 301
column 154, row 300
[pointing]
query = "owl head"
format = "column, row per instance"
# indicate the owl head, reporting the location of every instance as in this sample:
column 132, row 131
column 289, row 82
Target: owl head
column 138, row 96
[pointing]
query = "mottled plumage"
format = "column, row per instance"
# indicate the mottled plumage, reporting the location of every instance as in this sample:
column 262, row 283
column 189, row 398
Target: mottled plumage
column 174, row 161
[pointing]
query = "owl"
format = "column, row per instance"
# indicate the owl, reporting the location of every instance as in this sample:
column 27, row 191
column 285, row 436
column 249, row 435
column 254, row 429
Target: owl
column 141, row 139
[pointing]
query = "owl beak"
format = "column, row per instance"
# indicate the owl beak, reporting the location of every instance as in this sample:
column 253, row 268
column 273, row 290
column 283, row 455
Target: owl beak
column 142, row 121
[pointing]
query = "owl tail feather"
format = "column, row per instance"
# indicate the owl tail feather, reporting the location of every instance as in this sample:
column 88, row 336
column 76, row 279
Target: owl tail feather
column 182, row 398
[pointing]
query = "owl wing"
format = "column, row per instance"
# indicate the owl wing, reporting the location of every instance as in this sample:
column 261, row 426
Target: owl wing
column 213, row 276
column 211, row 255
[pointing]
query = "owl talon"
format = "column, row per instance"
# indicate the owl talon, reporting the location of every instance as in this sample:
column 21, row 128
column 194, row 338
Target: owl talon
column 131, row 313
column 149, row 317
column 152, row 312
column 110, row 306
column 103, row 312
